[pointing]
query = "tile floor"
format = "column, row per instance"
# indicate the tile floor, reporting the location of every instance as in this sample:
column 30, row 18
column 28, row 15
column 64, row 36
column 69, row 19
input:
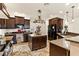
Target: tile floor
column 22, row 49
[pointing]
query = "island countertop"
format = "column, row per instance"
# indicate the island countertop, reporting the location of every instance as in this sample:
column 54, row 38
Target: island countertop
column 61, row 43
column 69, row 43
column 34, row 35
column 73, row 39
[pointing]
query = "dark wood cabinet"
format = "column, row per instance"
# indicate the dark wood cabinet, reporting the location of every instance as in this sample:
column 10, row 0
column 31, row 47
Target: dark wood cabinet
column 57, row 21
column 19, row 20
column 0, row 6
column 37, row 42
column 2, row 23
column 55, row 50
column 10, row 23
column 25, row 37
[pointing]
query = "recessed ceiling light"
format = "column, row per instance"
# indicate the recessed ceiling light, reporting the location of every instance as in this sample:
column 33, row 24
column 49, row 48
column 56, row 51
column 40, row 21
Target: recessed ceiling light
column 78, row 7
column 67, row 4
column 73, row 20
column 61, row 12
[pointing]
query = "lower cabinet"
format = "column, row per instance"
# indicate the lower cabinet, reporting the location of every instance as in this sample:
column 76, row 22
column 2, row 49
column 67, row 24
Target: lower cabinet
column 37, row 42
column 25, row 37
column 55, row 50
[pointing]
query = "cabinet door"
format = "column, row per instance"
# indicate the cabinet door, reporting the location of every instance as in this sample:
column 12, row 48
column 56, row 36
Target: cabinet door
column 25, row 37
column 19, row 20
column 43, row 41
column 35, row 43
column 10, row 23
column 55, row 50
column 2, row 23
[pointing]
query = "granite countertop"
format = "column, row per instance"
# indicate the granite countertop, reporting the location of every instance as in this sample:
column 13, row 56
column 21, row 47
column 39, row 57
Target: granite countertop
column 73, row 39
column 8, row 38
column 64, row 36
column 34, row 35
column 73, row 47
column 70, row 37
column 70, row 43
column 14, row 33
column 61, row 43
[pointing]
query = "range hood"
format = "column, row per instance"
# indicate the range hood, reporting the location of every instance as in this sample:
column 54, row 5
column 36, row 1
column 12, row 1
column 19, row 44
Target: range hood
column 4, row 10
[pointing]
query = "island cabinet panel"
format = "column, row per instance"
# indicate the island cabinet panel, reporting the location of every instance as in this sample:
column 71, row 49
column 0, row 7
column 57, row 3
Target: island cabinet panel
column 37, row 42
column 55, row 50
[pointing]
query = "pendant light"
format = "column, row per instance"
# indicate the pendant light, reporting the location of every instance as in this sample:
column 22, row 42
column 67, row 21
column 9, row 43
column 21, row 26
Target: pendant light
column 39, row 20
column 67, row 15
column 73, row 13
column 66, row 22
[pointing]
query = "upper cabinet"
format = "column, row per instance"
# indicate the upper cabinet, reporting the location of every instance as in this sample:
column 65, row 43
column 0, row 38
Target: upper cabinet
column 58, row 22
column 2, row 23
column 19, row 20
column 10, row 23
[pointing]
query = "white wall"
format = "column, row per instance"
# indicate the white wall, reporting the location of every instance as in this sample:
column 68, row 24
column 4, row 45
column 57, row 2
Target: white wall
column 73, row 26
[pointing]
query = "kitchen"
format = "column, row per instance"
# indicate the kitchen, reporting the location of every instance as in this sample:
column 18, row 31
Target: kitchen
column 38, row 35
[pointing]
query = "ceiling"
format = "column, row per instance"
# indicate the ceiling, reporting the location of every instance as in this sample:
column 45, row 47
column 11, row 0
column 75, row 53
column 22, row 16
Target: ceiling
column 49, row 10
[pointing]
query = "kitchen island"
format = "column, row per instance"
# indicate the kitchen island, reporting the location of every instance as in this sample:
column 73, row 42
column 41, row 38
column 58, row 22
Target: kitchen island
column 66, row 46
column 36, row 42
column 59, row 47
